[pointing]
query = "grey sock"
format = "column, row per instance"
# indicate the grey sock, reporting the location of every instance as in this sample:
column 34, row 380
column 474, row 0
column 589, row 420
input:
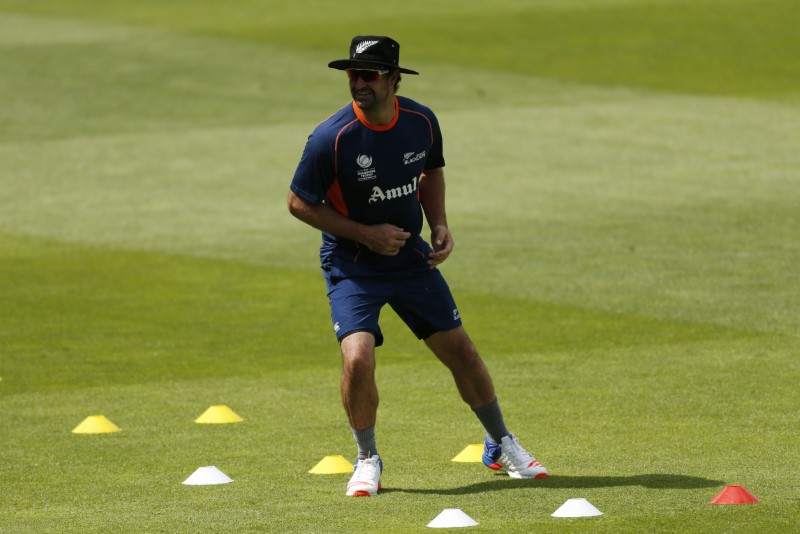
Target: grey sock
column 365, row 439
column 491, row 418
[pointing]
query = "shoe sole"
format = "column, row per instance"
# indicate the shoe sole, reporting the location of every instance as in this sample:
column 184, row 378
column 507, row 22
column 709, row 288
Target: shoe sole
column 497, row 467
column 364, row 493
column 517, row 475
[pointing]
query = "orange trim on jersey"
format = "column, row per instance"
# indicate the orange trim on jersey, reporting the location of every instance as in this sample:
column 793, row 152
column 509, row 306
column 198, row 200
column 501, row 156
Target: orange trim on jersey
column 430, row 129
column 378, row 128
column 430, row 126
column 335, row 190
column 336, row 147
column 337, row 199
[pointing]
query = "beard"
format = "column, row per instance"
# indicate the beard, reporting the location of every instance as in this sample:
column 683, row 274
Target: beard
column 365, row 98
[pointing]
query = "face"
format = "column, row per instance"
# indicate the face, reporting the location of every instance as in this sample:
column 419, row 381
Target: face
column 372, row 95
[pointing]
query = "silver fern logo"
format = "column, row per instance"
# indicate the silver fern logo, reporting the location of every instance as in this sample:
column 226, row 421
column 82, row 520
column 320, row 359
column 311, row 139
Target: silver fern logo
column 364, row 161
column 363, row 45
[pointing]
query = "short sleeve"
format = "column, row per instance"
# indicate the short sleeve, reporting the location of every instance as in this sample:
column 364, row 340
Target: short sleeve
column 435, row 157
column 315, row 172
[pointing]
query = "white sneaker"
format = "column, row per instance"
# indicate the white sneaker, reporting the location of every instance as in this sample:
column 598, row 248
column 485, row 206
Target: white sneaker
column 517, row 461
column 366, row 479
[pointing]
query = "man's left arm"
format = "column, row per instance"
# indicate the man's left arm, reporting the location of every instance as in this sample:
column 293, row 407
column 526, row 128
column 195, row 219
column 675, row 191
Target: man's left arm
column 433, row 204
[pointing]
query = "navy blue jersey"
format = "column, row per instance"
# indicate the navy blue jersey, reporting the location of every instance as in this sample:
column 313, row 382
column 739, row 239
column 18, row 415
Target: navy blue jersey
column 371, row 174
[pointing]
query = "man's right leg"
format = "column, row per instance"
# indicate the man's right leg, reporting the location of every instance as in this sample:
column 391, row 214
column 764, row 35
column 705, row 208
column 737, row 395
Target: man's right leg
column 360, row 400
column 359, row 391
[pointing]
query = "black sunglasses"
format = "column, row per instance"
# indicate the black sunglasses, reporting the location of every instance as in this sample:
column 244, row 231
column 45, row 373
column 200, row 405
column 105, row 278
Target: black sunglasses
column 368, row 75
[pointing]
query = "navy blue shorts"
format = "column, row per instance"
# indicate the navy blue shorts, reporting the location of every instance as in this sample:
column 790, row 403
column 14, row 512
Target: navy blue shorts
column 420, row 297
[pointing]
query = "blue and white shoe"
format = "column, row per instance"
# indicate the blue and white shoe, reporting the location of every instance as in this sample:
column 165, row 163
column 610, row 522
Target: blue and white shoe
column 366, row 479
column 491, row 453
column 509, row 456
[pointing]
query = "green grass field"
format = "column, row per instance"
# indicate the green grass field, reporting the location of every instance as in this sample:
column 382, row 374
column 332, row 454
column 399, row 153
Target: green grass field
column 624, row 192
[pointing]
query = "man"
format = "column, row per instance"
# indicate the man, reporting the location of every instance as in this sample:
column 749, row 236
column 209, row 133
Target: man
column 367, row 176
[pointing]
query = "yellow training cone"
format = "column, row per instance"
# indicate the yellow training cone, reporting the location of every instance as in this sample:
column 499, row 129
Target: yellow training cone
column 332, row 464
column 471, row 453
column 95, row 424
column 218, row 414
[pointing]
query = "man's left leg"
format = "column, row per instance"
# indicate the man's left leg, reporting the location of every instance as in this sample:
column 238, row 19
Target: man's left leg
column 455, row 349
column 502, row 450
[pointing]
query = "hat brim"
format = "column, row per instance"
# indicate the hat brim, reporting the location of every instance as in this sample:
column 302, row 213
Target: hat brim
column 344, row 64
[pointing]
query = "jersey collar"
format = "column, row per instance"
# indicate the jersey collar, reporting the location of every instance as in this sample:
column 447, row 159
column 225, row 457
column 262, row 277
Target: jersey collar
column 378, row 128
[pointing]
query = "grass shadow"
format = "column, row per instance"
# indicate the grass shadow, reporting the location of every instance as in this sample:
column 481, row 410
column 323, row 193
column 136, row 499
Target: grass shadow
column 501, row 482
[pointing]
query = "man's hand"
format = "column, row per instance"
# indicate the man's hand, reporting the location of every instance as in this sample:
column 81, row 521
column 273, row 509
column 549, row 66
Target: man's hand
column 442, row 242
column 385, row 239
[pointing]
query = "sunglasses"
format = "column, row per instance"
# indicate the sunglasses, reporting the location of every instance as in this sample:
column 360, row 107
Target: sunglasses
column 367, row 75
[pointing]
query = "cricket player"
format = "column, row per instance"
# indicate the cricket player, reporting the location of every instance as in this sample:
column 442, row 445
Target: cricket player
column 367, row 178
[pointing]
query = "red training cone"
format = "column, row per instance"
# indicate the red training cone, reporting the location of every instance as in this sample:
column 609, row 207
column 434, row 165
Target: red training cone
column 734, row 495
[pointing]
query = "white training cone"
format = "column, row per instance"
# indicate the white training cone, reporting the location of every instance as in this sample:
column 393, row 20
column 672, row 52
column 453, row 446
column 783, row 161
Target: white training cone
column 452, row 517
column 207, row 476
column 577, row 508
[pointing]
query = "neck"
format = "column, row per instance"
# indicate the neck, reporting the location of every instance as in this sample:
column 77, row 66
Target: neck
column 379, row 116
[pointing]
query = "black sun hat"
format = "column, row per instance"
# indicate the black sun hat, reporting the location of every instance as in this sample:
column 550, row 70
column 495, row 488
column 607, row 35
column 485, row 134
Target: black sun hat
column 372, row 51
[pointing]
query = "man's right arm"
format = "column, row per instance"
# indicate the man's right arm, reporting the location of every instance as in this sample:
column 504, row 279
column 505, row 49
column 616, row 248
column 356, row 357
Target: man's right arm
column 385, row 239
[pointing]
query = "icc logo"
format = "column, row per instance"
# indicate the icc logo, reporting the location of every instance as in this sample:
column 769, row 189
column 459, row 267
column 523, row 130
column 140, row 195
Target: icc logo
column 364, row 161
